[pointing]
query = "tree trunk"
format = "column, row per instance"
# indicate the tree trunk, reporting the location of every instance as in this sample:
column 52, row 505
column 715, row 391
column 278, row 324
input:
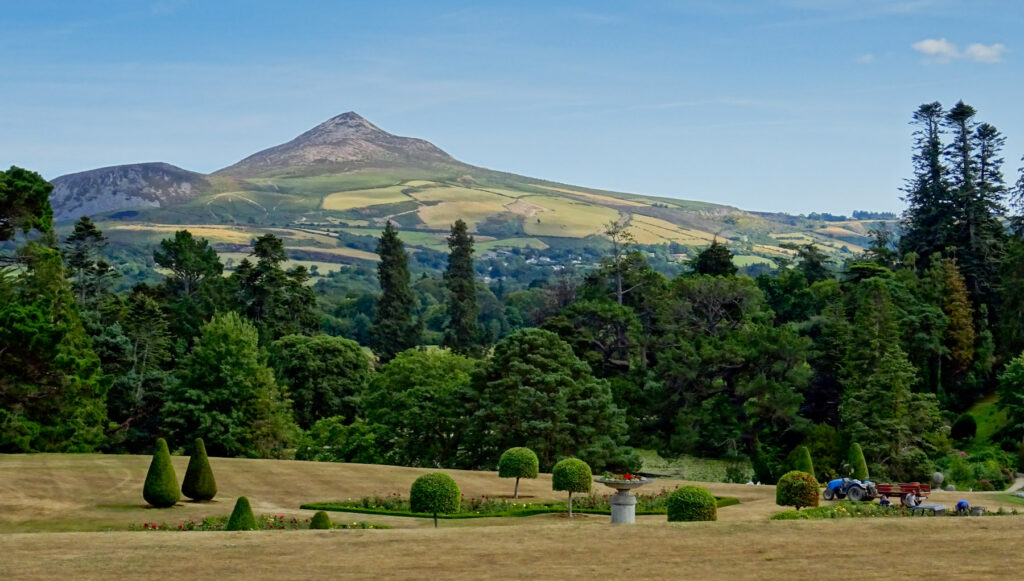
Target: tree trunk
column 515, row 495
column 570, row 504
column 435, row 520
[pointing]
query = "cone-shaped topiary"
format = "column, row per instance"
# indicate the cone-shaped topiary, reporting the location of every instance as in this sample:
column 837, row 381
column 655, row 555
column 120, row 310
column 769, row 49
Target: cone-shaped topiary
column 435, row 493
column 321, row 521
column 572, row 475
column 199, row 483
column 858, row 465
column 803, row 460
column 797, row 489
column 161, row 487
column 518, row 463
column 692, row 503
column 242, row 518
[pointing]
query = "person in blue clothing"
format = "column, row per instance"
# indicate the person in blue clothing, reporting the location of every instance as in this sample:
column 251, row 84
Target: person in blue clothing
column 962, row 508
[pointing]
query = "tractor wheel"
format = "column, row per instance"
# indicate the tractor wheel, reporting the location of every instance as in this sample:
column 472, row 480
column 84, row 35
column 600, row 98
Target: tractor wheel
column 829, row 494
column 856, row 493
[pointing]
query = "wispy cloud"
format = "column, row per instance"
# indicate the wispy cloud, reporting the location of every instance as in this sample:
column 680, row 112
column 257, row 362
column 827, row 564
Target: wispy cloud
column 866, row 59
column 986, row 54
column 942, row 51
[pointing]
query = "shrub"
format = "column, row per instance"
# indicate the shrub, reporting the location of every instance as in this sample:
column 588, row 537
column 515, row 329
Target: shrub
column 242, row 518
column 803, row 461
column 964, row 428
column 571, row 475
column 518, row 463
column 161, row 487
column 797, row 489
column 858, row 466
column 692, row 503
column 984, row 485
column 435, row 493
column 320, row 521
column 199, row 483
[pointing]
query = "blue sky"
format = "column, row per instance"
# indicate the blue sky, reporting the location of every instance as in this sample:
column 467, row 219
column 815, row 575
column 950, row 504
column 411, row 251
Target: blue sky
column 779, row 105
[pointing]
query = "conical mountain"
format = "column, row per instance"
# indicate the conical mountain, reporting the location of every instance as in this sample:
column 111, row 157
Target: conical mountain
column 342, row 143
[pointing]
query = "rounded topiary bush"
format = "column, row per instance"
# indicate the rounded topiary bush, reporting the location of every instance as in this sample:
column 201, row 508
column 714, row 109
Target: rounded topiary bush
column 797, row 489
column 858, row 465
column 518, row 463
column 964, row 428
column 692, row 503
column 435, row 493
column 161, row 487
column 321, row 521
column 242, row 518
column 571, row 475
column 199, row 484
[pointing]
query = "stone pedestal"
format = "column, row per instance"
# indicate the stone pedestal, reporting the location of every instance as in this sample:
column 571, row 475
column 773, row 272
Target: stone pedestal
column 623, row 503
column 623, row 508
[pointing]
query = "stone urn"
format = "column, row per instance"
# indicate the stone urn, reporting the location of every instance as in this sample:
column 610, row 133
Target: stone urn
column 623, row 503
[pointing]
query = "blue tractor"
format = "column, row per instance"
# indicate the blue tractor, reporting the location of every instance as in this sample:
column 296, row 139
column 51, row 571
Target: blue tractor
column 850, row 488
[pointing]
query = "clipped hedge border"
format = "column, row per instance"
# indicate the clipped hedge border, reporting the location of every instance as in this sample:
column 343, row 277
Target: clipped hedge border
column 548, row 508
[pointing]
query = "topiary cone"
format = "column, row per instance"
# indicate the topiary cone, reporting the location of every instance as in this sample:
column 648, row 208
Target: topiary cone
column 161, row 487
column 242, row 518
column 199, row 483
column 803, row 461
column 858, row 465
column 321, row 521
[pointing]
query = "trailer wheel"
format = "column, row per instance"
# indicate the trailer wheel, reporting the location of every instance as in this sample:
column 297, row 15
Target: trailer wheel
column 856, row 493
column 829, row 494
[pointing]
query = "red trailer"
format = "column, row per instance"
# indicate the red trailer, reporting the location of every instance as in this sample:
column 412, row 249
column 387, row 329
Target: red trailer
column 919, row 491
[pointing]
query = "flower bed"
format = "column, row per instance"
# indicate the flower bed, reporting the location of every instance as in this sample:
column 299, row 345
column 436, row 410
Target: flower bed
column 264, row 523
column 395, row 504
column 850, row 509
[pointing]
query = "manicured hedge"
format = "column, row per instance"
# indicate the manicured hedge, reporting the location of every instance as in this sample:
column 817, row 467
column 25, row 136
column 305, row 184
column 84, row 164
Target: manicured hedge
column 320, row 521
column 435, row 493
column 858, row 464
column 692, row 503
column 242, row 518
column 199, row 483
column 797, row 489
column 161, row 487
column 518, row 463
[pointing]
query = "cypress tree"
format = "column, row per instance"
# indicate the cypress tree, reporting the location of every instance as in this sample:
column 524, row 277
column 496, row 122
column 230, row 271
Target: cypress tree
column 321, row 521
column 242, row 518
column 199, row 483
column 803, row 461
column 395, row 327
column 463, row 333
column 857, row 462
column 161, row 487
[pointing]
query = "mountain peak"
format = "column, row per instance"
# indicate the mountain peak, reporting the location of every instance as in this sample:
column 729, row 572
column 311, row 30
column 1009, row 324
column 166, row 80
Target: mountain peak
column 345, row 142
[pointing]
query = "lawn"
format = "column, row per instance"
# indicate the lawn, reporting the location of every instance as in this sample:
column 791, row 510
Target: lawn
column 45, row 497
column 989, row 417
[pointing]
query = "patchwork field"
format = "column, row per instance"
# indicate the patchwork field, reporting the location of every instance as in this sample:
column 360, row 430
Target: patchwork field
column 43, row 498
column 565, row 217
column 363, row 198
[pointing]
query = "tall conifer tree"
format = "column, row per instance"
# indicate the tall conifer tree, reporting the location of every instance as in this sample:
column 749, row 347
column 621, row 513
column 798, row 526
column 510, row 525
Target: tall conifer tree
column 395, row 328
column 463, row 332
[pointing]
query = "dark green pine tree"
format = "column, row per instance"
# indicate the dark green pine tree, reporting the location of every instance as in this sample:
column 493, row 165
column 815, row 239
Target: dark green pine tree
column 977, row 189
column 929, row 205
column 715, row 260
column 90, row 274
column 462, row 335
column 395, row 327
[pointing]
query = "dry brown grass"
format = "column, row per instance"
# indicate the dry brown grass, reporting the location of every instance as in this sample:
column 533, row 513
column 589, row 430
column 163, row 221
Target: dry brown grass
column 43, row 495
column 939, row 548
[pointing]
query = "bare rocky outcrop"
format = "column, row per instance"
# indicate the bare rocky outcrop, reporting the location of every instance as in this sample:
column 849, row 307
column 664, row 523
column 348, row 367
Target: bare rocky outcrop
column 139, row 185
